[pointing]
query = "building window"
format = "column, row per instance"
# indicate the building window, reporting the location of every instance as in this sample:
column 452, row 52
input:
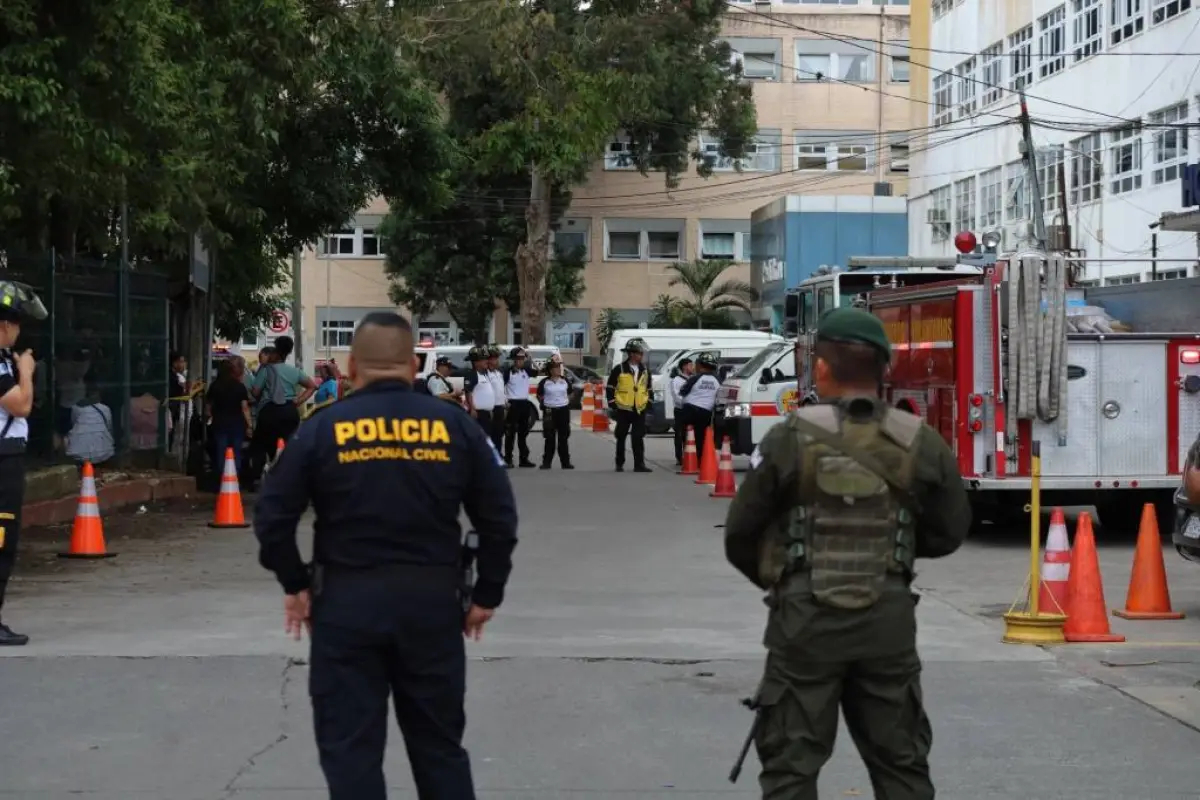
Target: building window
column 1127, row 18
column 570, row 335
column 249, row 339
column 757, row 66
column 571, row 236
column 1125, row 168
column 818, row 59
column 514, row 331
column 1048, row 160
column 437, row 332
column 943, row 98
column 898, row 63
column 1170, row 143
column 989, row 199
column 1087, row 153
column 718, row 246
column 964, row 204
column 724, row 240
column 1052, row 42
column 1163, row 10
column 965, row 88
column 992, row 73
column 352, row 243
column 619, row 154
column 940, row 202
column 1170, row 275
column 639, row 240
column 340, row 243
column 843, row 151
column 762, row 154
column 1020, row 54
column 942, row 7
column 1123, row 280
column 1016, row 192
column 898, row 152
column 337, row 332
column 1087, row 28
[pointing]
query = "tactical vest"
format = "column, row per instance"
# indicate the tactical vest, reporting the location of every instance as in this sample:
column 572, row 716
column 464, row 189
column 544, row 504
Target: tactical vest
column 854, row 523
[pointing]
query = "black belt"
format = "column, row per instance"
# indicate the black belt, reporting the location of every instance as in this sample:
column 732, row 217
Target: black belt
column 12, row 447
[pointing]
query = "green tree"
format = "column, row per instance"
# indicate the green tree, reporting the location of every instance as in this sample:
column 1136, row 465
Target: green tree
column 461, row 257
column 258, row 125
column 608, row 322
column 549, row 82
column 709, row 300
column 664, row 312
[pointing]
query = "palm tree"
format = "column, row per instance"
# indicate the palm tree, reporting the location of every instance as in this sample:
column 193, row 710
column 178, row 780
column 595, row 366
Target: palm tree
column 711, row 299
column 664, row 312
column 607, row 323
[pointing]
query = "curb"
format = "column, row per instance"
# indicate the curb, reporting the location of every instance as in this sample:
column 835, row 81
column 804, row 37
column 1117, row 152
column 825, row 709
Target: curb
column 112, row 496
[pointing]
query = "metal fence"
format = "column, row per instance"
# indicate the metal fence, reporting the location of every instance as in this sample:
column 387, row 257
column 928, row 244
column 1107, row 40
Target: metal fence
column 106, row 340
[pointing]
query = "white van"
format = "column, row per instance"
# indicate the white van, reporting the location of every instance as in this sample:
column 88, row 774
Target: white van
column 664, row 343
column 757, row 396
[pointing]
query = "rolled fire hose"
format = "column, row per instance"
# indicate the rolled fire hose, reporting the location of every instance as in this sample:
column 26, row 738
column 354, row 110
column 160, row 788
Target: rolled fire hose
column 1036, row 370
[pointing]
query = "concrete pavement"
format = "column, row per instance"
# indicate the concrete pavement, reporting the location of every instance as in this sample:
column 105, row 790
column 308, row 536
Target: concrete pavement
column 613, row 671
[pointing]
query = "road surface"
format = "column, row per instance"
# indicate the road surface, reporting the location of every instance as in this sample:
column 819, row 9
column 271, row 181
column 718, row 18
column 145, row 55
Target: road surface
column 613, row 672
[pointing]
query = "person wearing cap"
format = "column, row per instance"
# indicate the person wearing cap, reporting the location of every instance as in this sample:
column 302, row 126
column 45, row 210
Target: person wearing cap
column 683, row 371
column 17, row 303
column 478, row 389
column 840, row 499
column 517, row 378
column 699, row 395
column 500, row 409
column 438, row 384
column 628, row 394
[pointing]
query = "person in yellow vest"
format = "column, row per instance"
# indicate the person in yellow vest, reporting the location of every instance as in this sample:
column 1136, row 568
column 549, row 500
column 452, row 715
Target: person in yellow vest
column 629, row 397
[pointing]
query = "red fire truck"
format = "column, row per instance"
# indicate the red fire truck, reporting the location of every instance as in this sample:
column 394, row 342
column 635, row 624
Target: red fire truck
column 1106, row 379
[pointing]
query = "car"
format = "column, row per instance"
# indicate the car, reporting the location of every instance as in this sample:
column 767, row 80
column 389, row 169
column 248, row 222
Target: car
column 1185, row 533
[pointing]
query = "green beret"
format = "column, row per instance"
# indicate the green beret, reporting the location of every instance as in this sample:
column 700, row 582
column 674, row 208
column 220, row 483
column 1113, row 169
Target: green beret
column 853, row 326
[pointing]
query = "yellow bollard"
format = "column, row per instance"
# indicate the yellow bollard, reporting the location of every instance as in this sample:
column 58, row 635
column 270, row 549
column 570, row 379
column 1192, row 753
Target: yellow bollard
column 1034, row 626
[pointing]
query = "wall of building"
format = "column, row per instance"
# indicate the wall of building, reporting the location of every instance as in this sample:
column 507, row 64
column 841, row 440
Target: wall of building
column 795, row 236
column 1111, row 102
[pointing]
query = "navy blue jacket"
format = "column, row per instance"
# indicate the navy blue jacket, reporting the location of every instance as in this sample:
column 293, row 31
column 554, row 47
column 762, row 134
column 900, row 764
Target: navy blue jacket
column 387, row 472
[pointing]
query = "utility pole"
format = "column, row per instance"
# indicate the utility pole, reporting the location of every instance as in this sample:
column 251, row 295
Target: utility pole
column 1030, row 156
column 297, row 310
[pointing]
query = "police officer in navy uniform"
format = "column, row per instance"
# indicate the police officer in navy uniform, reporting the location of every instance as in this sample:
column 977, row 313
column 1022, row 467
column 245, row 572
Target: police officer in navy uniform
column 387, row 472
column 16, row 401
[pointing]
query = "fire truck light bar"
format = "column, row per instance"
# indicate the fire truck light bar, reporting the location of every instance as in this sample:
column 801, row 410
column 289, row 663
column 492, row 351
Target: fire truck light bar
column 1189, row 356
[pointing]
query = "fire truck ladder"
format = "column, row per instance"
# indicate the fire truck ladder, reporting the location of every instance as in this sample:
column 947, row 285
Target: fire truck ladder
column 1036, row 371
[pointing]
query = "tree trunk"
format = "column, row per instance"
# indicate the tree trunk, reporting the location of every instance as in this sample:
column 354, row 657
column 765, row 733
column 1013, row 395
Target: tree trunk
column 533, row 261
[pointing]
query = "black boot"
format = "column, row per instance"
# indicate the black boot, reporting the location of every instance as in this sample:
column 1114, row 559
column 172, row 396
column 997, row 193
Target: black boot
column 545, row 465
column 642, row 468
column 10, row 638
column 527, row 463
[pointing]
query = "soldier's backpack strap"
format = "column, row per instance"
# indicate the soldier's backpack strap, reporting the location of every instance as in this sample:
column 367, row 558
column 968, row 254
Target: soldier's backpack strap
column 811, row 425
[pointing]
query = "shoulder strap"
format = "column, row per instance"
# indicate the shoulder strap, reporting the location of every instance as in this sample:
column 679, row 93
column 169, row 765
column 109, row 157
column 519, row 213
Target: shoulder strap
column 835, row 440
column 901, row 427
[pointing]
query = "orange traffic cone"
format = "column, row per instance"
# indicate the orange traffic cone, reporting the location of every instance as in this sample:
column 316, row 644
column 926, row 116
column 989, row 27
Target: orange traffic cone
column 1087, row 614
column 691, row 463
column 589, row 406
column 708, row 461
column 726, row 486
column 1148, row 596
column 229, row 501
column 600, row 415
column 87, row 534
column 1056, row 566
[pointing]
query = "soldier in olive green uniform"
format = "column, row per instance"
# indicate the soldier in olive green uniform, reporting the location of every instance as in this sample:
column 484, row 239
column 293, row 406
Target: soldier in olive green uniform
column 839, row 501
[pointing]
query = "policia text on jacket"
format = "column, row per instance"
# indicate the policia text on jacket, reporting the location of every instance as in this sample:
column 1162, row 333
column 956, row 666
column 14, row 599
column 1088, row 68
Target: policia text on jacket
column 385, row 439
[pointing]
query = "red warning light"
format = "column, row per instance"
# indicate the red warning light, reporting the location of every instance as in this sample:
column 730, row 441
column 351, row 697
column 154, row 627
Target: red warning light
column 965, row 242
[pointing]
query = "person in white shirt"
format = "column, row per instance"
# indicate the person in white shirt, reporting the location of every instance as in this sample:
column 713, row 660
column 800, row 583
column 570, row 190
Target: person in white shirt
column 682, row 372
column 501, row 402
column 699, row 395
column 481, row 396
column 438, row 383
column 519, row 417
column 554, row 396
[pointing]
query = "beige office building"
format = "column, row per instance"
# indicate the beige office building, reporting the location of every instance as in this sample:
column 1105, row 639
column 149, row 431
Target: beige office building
column 830, row 82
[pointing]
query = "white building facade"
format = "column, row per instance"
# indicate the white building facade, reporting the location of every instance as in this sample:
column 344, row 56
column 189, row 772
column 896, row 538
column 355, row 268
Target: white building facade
column 1113, row 91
